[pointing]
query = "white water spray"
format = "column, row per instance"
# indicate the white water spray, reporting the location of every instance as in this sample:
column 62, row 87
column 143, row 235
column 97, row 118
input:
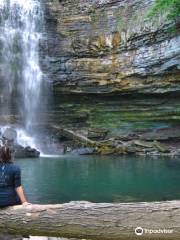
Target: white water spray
column 21, row 22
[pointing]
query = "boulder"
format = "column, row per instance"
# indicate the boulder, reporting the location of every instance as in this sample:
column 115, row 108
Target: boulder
column 164, row 134
column 143, row 143
column 10, row 134
column 31, row 152
column 97, row 134
column 83, row 151
column 25, row 152
column 161, row 147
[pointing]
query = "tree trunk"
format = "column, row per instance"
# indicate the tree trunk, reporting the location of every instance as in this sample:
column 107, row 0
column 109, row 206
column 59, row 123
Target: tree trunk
column 76, row 137
column 95, row 221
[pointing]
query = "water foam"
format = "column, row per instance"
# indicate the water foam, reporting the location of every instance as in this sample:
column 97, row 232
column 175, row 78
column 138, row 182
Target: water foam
column 21, row 23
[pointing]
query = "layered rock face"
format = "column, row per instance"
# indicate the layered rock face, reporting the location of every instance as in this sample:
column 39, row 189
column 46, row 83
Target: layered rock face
column 109, row 47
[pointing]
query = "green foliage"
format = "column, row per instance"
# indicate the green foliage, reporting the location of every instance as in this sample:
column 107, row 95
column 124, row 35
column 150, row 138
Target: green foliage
column 169, row 7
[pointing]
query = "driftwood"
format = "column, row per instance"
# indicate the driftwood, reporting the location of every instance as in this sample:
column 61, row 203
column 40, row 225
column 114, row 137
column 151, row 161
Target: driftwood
column 116, row 146
column 95, row 221
column 77, row 137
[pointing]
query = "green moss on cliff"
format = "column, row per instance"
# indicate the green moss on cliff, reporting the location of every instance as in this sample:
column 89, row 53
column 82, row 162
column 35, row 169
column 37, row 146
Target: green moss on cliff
column 170, row 7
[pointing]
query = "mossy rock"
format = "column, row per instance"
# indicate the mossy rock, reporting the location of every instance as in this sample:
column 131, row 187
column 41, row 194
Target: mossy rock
column 143, row 143
column 161, row 147
column 106, row 150
column 95, row 133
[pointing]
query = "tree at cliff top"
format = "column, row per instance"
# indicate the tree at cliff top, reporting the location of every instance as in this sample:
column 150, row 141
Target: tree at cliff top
column 169, row 7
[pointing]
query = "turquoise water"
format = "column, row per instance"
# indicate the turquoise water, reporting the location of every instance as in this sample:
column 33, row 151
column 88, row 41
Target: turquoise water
column 100, row 179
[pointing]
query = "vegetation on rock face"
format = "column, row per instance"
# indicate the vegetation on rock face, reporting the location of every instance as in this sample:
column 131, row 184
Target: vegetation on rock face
column 170, row 7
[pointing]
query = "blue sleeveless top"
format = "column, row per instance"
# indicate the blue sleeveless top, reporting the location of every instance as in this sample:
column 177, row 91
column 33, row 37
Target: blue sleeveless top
column 10, row 179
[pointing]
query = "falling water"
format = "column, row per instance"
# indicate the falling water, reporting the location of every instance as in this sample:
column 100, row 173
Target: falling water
column 21, row 23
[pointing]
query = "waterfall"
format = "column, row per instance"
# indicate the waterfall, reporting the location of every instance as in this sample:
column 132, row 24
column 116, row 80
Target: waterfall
column 21, row 23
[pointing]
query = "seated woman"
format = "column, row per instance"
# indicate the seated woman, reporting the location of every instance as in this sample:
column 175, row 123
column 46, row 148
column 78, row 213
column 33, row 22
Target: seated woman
column 11, row 191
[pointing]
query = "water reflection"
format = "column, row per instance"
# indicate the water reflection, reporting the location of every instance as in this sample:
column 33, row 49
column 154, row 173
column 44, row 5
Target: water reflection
column 101, row 179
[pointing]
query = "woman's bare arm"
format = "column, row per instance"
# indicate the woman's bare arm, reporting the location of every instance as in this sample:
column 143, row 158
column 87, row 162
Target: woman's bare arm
column 20, row 193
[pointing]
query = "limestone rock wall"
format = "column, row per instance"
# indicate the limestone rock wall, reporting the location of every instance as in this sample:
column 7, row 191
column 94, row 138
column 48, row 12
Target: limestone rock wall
column 108, row 47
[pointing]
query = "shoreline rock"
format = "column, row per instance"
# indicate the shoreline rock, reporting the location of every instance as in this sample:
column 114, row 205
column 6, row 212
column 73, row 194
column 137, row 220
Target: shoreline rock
column 80, row 144
column 9, row 137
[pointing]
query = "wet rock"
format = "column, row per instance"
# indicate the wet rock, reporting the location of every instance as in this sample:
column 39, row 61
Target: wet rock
column 97, row 134
column 163, row 134
column 161, row 147
column 143, row 143
column 131, row 150
column 106, row 150
column 25, row 152
column 68, row 149
column 10, row 134
column 129, row 136
column 83, row 151
column 113, row 145
column 109, row 149
column 31, row 152
column 10, row 237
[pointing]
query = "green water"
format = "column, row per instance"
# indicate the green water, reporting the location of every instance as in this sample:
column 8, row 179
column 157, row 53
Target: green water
column 100, row 179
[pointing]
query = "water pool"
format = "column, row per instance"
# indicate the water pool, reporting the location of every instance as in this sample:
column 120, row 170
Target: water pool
column 100, row 179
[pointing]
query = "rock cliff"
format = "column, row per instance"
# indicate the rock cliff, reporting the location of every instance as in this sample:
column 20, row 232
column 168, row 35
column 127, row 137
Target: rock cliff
column 109, row 47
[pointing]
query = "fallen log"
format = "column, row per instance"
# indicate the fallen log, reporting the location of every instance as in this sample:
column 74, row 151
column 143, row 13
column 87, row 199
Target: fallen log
column 95, row 221
column 77, row 137
column 113, row 146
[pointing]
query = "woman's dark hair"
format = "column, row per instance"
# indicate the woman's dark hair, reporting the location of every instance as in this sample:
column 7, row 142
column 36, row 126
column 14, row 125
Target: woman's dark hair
column 5, row 155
